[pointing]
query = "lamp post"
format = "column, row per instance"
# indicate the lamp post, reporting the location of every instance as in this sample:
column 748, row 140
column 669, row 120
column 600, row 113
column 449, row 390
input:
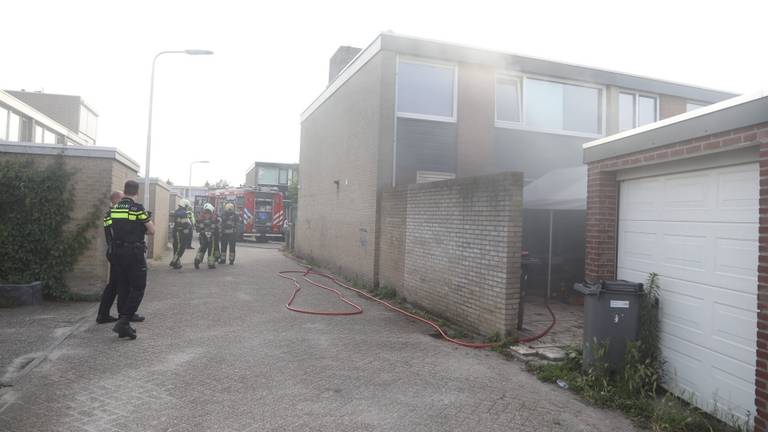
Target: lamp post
column 151, row 97
column 189, row 189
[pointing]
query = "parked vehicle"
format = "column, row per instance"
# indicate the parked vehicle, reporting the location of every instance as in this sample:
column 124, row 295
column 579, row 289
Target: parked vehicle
column 262, row 211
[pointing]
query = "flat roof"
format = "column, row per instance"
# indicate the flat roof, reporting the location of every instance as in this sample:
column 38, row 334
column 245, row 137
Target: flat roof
column 734, row 113
column 429, row 48
column 68, row 150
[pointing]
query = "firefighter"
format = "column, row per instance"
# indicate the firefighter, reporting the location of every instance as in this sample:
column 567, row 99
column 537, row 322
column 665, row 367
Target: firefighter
column 208, row 228
column 182, row 229
column 129, row 224
column 230, row 228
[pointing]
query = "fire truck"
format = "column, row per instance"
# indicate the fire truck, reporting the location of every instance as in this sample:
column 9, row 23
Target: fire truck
column 261, row 210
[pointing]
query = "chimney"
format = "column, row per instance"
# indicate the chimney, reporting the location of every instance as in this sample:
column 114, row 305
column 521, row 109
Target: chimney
column 340, row 59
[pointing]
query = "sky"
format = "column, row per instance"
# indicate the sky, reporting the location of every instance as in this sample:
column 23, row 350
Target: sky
column 242, row 104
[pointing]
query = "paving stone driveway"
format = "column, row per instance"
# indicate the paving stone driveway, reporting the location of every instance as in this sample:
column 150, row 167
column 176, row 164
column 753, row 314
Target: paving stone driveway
column 219, row 352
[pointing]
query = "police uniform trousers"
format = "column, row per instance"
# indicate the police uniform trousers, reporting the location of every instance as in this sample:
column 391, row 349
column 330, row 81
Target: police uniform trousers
column 129, row 268
column 108, row 295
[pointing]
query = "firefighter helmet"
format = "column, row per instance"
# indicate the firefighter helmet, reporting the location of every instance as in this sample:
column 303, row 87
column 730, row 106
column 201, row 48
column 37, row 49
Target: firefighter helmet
column 229, row 207
column 208, row 207
column 184, row 203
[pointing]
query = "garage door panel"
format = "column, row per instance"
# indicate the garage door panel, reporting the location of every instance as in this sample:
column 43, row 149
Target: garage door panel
column 699, row 232
column 739, row 194
column 737, row 257
column 734, row 329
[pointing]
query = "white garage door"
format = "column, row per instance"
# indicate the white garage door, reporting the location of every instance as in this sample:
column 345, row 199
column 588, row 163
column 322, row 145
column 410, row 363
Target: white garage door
column 699, row 232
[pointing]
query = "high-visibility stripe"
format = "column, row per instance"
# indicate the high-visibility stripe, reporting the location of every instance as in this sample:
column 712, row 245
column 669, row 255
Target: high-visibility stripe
column 119, row 215
column 107, row 223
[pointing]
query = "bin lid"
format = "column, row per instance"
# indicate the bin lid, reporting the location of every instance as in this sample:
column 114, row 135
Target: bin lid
column 588, row 288
column 623, row 286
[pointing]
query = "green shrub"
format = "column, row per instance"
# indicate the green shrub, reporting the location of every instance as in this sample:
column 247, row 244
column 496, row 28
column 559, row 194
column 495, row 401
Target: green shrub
column 39, row 243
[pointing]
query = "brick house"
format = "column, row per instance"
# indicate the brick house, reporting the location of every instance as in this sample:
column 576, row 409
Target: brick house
column 687, row 198
column 407, row 110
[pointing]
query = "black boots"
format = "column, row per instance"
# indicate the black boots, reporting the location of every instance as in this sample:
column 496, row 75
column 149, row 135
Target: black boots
column 105, row 319
column 124, row 329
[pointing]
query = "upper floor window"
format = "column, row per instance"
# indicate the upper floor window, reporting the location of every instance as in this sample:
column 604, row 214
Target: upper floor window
column 3, row 123
column 690, row 106
column 49, row 136
column 550, row 106
column 426, row 90
column 508, row 99
column 38, row 134
column 283, row 176
column 268, row 175
column 637, row 110
column 14, row 127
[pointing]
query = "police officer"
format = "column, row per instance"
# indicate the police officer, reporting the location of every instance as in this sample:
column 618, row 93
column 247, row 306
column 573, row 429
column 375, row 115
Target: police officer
column 208, row 228
column 110, row 290
column 230, row 223
column 129, row 223
column 182, row 229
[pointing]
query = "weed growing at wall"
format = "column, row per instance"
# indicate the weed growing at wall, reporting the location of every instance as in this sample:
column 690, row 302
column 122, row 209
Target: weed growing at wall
column 38, row 241
column 635, row 387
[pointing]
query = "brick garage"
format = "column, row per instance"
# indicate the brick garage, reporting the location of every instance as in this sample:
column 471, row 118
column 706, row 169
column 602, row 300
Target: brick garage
column 98, row 171
column 691, row 193
column 453, row 248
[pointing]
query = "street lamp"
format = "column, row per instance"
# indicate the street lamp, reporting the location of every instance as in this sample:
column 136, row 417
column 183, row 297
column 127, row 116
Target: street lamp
column 189, row 189
column 151, row 97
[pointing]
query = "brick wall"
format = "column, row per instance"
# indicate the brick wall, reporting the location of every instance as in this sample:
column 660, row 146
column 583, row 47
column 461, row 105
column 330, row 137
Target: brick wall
column 602, row 206
column 761, row 375
column 392, row 238
column 457, row 243
column 95, row 178
column 338, row 186
column 157, row 245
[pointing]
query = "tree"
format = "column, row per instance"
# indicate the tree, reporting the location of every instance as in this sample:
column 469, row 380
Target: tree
column 221, row 184
column 293, row 192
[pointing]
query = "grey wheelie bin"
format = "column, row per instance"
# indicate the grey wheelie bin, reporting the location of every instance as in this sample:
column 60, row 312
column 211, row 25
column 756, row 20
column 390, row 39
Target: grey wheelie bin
column 612, row 316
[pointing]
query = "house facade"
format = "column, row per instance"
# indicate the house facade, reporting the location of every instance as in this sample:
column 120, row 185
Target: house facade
column 44, row 118
column 406, row 110
column 687, row 198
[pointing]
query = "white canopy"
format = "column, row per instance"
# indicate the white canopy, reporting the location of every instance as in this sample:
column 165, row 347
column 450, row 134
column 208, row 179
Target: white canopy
column 560, row 189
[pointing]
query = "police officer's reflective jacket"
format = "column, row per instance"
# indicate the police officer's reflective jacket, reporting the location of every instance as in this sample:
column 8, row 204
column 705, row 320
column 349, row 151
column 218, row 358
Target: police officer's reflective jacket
column 126, row 220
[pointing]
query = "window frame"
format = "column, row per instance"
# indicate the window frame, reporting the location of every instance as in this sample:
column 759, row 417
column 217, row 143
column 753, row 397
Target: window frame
column 523, row 77
column 434, row 63
column 520, row 82
column 5, row 122
column 637, row 96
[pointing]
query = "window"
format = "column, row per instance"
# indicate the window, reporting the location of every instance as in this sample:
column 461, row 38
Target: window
column 626, row 111
column 38, row 134
column 426, row 90
column 690, row 106
column 557, row 106
column 283, row 176
column 14, row 127
column 508, row 99
column 87, row 122
column 637, row 110
column 3, row 123
column 268, row 175
column 49, row 137
column 646, row 110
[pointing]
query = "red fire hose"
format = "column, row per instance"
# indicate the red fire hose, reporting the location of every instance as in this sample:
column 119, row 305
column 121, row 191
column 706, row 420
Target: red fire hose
column 358, row 310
